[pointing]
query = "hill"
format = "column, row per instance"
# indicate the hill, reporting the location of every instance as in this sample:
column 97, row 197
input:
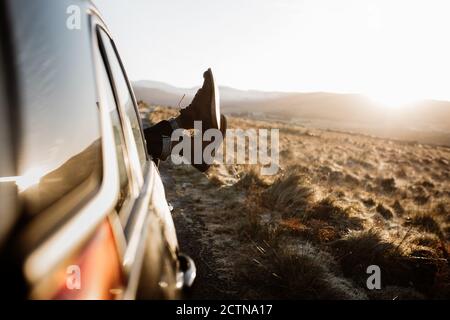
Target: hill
column 426, row 121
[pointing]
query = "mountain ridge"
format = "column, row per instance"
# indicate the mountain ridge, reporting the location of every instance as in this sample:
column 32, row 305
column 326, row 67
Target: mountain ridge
column 426, row 121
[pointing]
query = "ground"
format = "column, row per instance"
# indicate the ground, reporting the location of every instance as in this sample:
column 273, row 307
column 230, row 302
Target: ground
column 340, row 203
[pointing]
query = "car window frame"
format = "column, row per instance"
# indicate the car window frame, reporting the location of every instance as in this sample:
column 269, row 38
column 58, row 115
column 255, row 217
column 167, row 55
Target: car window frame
column 134, row 189
column 133, row 99
column 138, row 169
column 127, row 205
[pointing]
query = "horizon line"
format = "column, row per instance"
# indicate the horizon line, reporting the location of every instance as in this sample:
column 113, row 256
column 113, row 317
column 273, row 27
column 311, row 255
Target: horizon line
column 287, row 92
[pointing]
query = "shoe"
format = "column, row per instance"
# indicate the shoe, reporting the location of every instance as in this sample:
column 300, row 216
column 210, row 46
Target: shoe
column 205, row 106
column 203, row 167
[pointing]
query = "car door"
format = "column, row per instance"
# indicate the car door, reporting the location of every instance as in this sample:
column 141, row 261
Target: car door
column 65, row 244
column 148, row 226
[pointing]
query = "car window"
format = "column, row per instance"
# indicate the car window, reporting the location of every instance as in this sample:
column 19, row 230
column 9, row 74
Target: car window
column 124, row 97
column 121, row 151
column 60, row 164
column 7, row 185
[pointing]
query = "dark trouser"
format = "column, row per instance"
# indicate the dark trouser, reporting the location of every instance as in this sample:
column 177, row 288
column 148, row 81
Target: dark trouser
column 159, row 144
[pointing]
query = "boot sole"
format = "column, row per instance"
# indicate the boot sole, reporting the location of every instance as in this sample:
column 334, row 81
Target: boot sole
column 215, row 103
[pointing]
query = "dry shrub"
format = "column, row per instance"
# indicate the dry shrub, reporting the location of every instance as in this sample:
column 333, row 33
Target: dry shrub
column 384, row 211
column 296, row 271
column 351, row 180
column 442, row 208
column 398, row 208
column 404, row 264
column 293, row 224
column 359, row 250
column 215, row 180
column 314, row 230
column 159, row 113
column 387, row 185
column 336, row 213
column 251, row 178
column 425, row 222
column 369, row 202
column 426, row 240
column 446, row 231
column 291, row 193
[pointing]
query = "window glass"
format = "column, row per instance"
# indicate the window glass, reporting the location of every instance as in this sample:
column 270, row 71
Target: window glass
column 60, row 164
column 7, row 185
column 121, row 152
column 125, row 98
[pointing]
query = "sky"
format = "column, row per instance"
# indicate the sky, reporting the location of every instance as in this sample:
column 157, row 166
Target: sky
column 396, row 50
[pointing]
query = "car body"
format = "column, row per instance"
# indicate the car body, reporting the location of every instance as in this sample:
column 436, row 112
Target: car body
column 82, row 204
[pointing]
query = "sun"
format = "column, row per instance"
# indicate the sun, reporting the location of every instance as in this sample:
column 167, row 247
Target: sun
column 393, row 101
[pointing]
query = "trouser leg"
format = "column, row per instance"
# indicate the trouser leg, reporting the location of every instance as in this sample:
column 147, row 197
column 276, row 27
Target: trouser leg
column 159, row 144
column 158, row 137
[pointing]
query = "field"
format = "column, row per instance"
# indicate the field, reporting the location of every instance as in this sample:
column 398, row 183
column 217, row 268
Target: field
column 340, row 203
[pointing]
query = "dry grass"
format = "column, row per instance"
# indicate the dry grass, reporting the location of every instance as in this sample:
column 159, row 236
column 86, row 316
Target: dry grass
column 342, row 203
column 290, row 194
column 295, row 271
column 358, row 250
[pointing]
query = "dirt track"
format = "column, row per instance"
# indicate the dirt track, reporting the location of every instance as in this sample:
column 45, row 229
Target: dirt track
column 189, row 213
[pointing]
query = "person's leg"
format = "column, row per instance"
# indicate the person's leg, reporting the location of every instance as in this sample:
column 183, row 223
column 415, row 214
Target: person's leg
column 203, row 166
column 158, row 137
column 159, row 144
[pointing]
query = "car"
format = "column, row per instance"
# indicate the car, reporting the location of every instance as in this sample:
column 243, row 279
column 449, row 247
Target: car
column 83, row 208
